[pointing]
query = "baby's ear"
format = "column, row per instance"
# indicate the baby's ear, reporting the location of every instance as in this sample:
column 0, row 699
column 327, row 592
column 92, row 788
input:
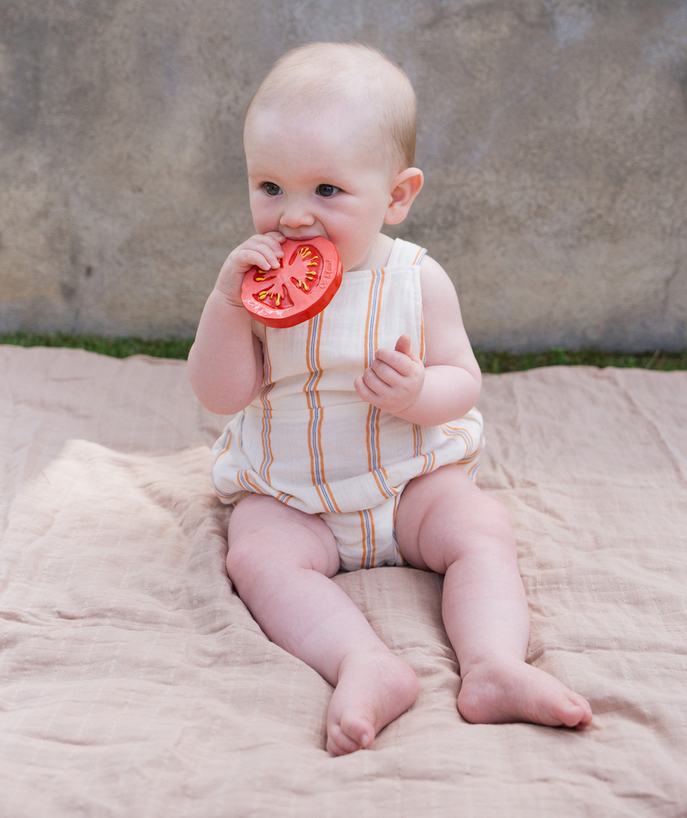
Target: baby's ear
column 404, row 188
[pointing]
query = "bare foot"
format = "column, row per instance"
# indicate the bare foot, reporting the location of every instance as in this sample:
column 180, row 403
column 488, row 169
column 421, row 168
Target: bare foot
column 374, row 688
column 511, row 690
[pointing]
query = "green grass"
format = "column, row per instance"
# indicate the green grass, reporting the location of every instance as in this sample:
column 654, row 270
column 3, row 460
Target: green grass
column 115, row 347
column 493, row 362
column 499, row 362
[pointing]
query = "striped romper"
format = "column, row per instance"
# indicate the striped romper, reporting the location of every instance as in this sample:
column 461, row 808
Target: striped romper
column 311, row 442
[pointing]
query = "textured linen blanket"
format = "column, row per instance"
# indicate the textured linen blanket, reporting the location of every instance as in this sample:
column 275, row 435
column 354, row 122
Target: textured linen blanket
column 134, row 682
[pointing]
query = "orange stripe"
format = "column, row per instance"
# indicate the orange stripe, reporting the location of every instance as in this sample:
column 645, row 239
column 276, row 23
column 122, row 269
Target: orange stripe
column 380, row 486
column 267, row 457
column 329, row 496
column 318, row 489
column 374, row 540
column 320, row 484
column 224, row 450
column 429, row 459
column 217, row 491
column 429, row 462
column 333, row 500
column 367, row 319
column 368, row 440
column 363, row 538
column 244, row 475
column 379, row 307
column 419, row 255
column 313, row 397
column 319, row 405
column 418, row 439
column 375, row 431
column 372, row 322
column 310, row 394
column 370, row 542
column 457, row 431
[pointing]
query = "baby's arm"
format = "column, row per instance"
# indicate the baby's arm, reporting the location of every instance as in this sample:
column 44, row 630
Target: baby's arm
column 225, row 361
column 447, row 386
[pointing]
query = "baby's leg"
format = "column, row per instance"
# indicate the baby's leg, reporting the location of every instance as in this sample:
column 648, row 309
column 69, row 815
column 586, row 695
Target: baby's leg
column 445, row 523
column 280, row 561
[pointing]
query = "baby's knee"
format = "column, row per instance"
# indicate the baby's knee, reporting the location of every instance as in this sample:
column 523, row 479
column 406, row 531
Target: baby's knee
column 493, row 518
column 242, row 562
column 485, row 529
column 267, row 554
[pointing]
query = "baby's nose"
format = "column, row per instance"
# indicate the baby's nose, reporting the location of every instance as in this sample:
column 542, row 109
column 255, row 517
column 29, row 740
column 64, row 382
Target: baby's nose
column 296, row 214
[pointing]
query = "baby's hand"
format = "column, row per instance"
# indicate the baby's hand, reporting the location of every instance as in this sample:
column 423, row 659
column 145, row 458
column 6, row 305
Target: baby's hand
column 394, row 380
column 263, row 251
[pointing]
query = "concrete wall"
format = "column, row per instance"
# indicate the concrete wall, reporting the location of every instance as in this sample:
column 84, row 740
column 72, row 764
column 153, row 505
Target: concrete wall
column 553, row 136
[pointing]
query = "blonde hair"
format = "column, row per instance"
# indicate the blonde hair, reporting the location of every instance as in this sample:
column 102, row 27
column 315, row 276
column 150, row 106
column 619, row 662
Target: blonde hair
column 318, row 75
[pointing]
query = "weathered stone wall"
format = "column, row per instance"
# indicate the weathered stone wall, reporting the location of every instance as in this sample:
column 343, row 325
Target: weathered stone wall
column 553, row 136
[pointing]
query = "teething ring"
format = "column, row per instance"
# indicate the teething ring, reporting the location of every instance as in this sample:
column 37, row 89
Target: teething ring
column 308, row 278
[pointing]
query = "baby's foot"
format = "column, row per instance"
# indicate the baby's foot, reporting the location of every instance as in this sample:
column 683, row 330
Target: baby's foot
column 374, row 688
column 511, row 690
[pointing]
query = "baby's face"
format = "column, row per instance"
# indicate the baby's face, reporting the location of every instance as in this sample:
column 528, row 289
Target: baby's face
column 322, row 174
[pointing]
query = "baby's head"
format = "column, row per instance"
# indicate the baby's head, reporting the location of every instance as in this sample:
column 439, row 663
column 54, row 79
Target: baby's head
column 322, row 79
column 329, row 139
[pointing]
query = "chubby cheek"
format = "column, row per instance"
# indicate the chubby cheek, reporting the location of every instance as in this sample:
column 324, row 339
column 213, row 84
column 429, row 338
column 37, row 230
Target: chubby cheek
column 347, row 237
column 259, row 221
column 263, row 215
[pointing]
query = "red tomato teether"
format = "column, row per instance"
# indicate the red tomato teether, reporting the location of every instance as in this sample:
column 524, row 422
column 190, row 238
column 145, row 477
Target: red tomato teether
column 309, row 276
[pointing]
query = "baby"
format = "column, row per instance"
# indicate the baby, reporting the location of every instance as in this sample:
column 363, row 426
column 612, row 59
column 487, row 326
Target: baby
column 355, row 440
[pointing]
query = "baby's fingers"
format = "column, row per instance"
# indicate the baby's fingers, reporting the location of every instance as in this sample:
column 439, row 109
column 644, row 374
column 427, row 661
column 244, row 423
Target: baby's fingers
column 400, row 362
column 274, row 241
column 381, row 374
column 260, row 251
column 403, row 344
column 364, row 391
column 265, row 251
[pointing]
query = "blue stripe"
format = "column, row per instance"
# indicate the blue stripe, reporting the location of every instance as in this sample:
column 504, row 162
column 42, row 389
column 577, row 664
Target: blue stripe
column 416, row 440
column 327, row 497
column 317, row 414
column 240, row 434
column 374, row 415
column 312, row 400
column 266, row 430
column 373, row 313
column 368, row 538
column 387, row 488
column 266, row 414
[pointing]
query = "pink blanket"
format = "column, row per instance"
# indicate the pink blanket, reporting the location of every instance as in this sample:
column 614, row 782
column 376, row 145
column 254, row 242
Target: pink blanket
column 133, row 681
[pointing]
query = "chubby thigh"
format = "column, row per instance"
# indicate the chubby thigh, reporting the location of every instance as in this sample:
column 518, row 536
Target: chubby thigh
column 265, row 530
column 443, row 516
column 439, row 517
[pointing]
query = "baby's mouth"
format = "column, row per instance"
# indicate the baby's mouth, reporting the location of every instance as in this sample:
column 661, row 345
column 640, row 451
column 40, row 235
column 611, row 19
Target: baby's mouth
column 303, row 237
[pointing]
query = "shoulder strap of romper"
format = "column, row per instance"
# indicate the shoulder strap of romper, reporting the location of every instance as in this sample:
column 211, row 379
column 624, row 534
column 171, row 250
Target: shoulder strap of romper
column 405, row 254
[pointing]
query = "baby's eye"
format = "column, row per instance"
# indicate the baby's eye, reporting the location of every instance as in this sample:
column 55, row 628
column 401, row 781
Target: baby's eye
column 327, row 191
column 271, row 189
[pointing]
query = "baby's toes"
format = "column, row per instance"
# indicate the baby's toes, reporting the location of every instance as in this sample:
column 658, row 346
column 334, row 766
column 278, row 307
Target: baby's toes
column 578, row 712
column 338, row 743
